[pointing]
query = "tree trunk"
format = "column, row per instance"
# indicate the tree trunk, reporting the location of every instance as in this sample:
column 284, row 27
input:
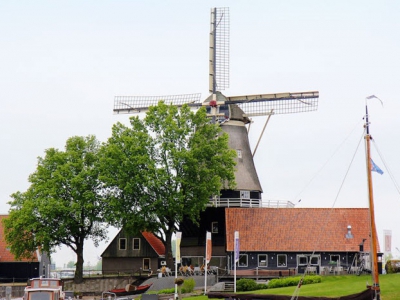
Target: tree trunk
column 79, row 263
column 168, row 250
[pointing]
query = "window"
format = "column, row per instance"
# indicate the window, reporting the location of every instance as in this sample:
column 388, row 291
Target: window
column 122, row 244
column 282, row 260
column 214, row 227
column 314, row 260
column 335, row 258
column 262, row 260
column 239, row 153
column 243, row 260
column 302, row 260
column 244, row 194
column 146, row 263
column 136, row 244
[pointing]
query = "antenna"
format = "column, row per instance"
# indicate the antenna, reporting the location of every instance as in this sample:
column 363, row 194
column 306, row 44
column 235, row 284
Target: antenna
column 219, row 49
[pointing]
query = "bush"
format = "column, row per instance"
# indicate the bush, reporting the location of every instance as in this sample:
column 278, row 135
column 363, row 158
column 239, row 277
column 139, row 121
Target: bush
column 392, row 266
column 166, row 291
column 243, row 285
column 293, row 281
column 188, row 285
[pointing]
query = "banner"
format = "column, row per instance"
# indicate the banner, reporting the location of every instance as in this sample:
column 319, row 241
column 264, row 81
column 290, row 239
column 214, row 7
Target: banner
column 236, row 246
column 388, row 240
column 178, row 247
column 208, row 247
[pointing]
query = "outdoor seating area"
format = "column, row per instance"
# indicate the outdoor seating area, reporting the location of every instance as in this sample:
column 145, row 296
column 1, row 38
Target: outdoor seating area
column 165, row 271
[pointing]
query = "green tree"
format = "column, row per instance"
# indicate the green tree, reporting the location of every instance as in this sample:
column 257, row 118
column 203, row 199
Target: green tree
column 163, row 168
column 99, row 265
column 63, row 205
column 71, row 264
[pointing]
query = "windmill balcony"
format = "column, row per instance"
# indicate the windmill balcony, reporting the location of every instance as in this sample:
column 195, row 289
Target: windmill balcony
column 253, row 203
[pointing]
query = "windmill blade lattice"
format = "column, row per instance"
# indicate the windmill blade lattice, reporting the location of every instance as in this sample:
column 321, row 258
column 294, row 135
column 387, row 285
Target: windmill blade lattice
column 282, row 103
column 219, row 49
column 137, row 104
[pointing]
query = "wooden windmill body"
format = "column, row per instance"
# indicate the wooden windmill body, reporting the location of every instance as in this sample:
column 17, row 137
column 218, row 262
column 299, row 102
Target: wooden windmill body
column 233, row 114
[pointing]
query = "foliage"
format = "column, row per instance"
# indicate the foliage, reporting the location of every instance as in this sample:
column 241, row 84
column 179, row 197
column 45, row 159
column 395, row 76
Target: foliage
column 99, row 265
column 245, row 284
column 251, row 285
column 62, row 206
column 71, row 264
column 336, row 286
column 293, row 281
column 392, row 266
column 166, row 291
column 188, row 285
column 164, row 168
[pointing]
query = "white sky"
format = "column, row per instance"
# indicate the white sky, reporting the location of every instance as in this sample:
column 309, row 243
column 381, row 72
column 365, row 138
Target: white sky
column 62, row 63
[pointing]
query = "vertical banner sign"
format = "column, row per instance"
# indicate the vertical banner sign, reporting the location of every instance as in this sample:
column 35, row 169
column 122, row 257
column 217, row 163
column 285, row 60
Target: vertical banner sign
column 236, row 246
column 388, row 240
column 178, row 247
column 208, row 258
column 236, row 259
column 208, row 247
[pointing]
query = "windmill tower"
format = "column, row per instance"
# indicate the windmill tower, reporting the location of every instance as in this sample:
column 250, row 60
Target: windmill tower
column 233, row 113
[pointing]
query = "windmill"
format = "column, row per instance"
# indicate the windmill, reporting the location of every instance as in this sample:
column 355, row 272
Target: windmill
column 233, row 113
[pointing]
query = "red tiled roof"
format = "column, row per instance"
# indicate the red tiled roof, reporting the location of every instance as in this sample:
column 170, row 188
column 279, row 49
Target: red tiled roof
column 297, row 229
column 154, row 242
column 5, row 254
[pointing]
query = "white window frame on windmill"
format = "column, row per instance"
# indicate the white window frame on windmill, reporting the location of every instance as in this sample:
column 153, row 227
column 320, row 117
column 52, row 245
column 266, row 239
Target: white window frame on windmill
column 214, row 227
column 244, row 194
column 239, row 153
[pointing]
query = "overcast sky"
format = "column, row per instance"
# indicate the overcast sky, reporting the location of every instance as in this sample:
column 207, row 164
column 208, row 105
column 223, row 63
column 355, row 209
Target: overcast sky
column 62, row 63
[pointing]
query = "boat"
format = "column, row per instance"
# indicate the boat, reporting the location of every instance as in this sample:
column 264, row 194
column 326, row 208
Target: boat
column 131, row 290
column 372, row 292
column 44, row 289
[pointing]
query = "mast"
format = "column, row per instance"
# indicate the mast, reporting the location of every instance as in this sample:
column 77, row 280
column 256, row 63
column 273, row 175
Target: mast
column 374, row 261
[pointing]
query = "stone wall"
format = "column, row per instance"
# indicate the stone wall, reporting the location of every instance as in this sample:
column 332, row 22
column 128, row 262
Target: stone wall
column 95, row 286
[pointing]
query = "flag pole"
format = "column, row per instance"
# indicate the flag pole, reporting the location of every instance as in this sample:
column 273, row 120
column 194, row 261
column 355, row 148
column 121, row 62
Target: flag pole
column 236, row 258
column 177, row 259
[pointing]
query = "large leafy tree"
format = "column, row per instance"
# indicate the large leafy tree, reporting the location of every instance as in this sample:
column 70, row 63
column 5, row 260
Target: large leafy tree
column 64, row 204
column 163, row 168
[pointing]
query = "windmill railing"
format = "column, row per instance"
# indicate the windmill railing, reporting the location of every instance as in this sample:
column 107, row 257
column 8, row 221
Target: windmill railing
column 239, row 202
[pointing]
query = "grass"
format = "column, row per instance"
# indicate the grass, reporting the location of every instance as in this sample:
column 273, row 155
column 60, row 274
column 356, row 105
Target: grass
column 334, row 286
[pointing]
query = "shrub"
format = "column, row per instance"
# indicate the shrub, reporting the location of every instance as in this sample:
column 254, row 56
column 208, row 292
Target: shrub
column 392, row 266
column 166, row 291
column 293, row 281
column 188, row 285
column 243, row 285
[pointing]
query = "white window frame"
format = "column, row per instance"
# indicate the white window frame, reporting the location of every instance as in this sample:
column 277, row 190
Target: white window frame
column 133, row 243
column 119, row 243
column 259, row 260
column 315, row 257
column 299, row 257
column 239, row 153
column 334, row 255
column 244, row 194
column 277, row 260
column 143, row 262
